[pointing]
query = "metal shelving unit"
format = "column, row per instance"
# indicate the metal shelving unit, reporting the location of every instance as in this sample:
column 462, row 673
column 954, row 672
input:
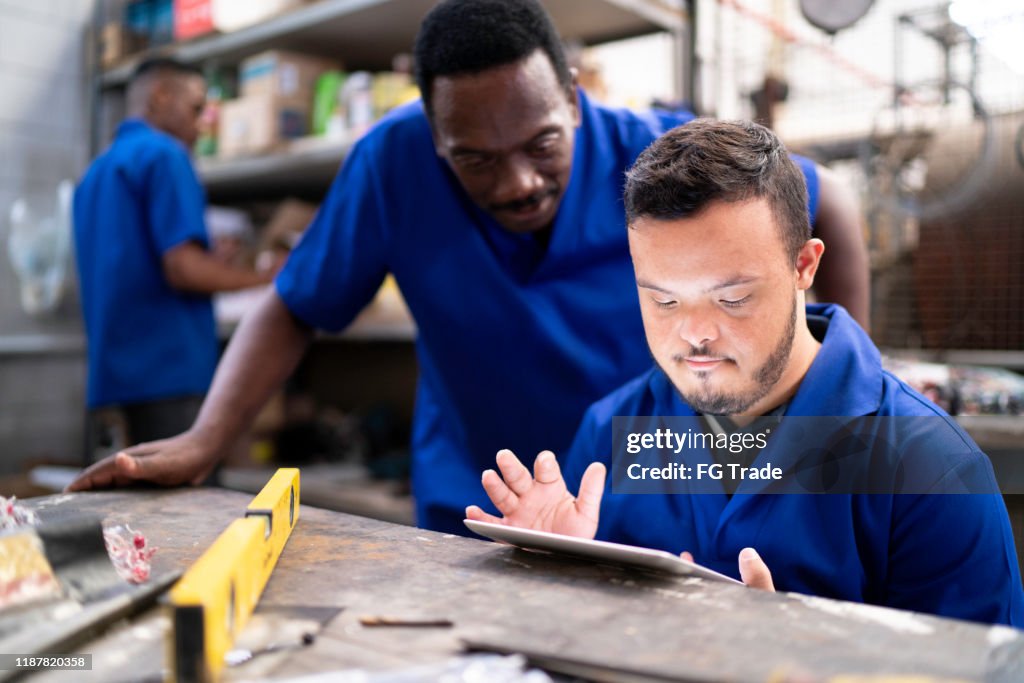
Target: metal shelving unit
column 362, row 34
column 368, row 33
column 311, row 163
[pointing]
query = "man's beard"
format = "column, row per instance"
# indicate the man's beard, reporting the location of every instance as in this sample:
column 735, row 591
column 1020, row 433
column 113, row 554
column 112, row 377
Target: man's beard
column 709, row 402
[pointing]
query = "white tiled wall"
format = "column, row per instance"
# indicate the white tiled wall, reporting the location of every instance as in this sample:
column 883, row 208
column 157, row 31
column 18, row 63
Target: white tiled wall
column 44, row 126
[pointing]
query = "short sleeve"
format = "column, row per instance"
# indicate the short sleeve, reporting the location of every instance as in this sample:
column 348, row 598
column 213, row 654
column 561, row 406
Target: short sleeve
column 667, row 119
column 175, row 201
column 340, row 262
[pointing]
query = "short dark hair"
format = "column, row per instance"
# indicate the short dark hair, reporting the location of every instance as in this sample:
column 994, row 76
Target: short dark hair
column 469, row 36
column 155, row 65
column 705, row 161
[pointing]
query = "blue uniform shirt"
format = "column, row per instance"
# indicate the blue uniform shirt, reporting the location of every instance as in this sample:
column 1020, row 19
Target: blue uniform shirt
column 514, row 341
column 136, row 201
column 951, row 555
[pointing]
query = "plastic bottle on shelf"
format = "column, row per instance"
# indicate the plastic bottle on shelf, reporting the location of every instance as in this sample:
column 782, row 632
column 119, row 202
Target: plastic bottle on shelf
column 395, row 87
column 328, row 113
column 209, row 120
column 357, row 100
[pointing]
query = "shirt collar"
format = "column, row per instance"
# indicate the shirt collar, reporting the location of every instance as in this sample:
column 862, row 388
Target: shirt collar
column 133, row 124
column 140, row 126
column 845, row 379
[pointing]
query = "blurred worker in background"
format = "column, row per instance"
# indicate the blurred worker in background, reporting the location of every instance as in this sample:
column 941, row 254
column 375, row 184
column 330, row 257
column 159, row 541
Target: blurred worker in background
column 496, row 202
column 145, row 268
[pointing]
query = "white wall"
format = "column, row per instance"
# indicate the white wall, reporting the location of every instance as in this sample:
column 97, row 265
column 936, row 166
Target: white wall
column 638, row 70
column 44, row 123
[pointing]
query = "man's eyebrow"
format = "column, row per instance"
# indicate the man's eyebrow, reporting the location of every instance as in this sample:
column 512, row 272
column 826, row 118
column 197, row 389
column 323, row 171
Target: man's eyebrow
column 646, row 285
column 733, row 282
column 543, row 132
column 467, row 151
column 725, row 284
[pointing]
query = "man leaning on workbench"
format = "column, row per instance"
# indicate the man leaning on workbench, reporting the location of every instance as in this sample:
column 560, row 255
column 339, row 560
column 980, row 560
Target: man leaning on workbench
column 496, row 202
column 722, row 254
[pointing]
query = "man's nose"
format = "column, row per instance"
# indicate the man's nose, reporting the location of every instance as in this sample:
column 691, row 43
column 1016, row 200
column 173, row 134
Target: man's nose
column 697, row 328
column 518, row 180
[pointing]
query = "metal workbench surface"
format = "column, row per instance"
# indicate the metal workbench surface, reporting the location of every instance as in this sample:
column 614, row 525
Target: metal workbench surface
column 604, row 621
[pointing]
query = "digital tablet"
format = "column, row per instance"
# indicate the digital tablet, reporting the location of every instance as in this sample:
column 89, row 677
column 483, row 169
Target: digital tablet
column 599, row 551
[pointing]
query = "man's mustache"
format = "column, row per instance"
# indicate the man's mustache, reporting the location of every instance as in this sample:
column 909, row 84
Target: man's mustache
column 526, row 202
column 702, row 352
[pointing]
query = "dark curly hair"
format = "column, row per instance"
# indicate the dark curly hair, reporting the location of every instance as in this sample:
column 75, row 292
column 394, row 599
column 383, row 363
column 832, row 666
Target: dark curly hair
column 707, row 160
column 469, row 36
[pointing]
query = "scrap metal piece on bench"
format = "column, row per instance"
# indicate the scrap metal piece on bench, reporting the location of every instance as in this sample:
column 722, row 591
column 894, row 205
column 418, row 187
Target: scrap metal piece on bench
column 78, row 553
column 213, row 601
column 78, row 593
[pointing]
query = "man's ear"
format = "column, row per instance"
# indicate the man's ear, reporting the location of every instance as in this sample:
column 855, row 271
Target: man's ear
column 574, row 97
column 807, row 261
column 161, row 91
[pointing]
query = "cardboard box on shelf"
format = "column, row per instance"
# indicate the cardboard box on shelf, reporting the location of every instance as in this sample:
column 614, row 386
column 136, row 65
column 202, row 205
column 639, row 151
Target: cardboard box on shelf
column 260, row 123
column 282, row 74
column 115, row 44
column 231, row 15
column 192, row 18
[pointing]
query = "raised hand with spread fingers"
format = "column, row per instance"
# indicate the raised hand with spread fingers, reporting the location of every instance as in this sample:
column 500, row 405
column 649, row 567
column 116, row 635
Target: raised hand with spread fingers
column 541, row 501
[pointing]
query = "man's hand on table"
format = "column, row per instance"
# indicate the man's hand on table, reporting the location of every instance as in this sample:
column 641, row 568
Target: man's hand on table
column 541, row 501
column 168, row 462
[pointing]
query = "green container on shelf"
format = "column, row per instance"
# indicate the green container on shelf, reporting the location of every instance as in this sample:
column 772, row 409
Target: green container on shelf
column 209, row 120
column 325, row 99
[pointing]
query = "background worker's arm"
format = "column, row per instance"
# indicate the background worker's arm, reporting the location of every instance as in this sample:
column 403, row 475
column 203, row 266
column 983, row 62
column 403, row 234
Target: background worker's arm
column 190, row 268
column 263, row 352
column 844, row 276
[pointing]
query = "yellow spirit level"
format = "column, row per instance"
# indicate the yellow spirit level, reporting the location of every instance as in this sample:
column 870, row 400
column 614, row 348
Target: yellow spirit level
column 212, row 602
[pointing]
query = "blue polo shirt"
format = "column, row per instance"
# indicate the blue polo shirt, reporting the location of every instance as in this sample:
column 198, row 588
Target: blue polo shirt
column 515, row 341
column 146, row 340
column 943, row 552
